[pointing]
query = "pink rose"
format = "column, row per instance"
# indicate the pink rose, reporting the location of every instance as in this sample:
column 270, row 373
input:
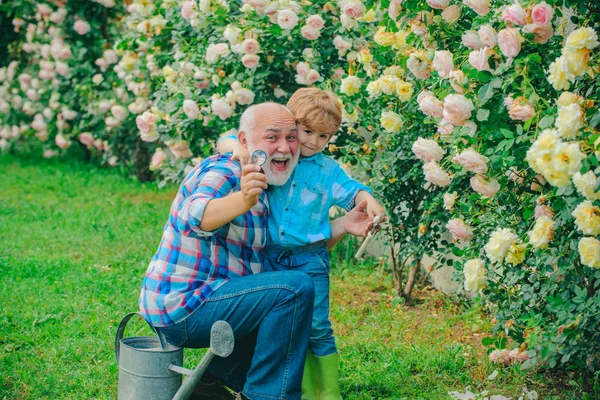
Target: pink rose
column 434, row 174
column 353, row 9
column 157, row 159
column 488, row 35
column 341, row 45
column 146, row 123
column 312, row 76
column 483, row 187
column 187, row 9
column 443, row 63
column 445, row 128
column 62, row 142
column 310, row 33
column 509, row 41
column 86, row 138
column 180, row 149
column 543, row 211
column 427, row 150
column 315, row 22
column 82, row 27
column 49, row 153
column 418, row 67
column 472, row 161
column 221, row 108
column 438, row 4
column 518, row 110
column 514, row 14
column 287, row 19
column 542, row 33
column 44, row 9
column 337, row 74
column 250, row 46
column 471, row 40
column 190, row 108
column 457, row 109
column 542, row 14
column 58, row 16
column 424, row 94
column 479, row 59
column 250, row 61
column 459, row 230
column 395, row 9
column 451, row 14
column 119, row 112
column 432, row 106
column 481, row 7
column 62, row 68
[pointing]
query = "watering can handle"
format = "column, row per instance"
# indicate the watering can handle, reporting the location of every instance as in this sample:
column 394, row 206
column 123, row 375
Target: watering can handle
column 121, row 330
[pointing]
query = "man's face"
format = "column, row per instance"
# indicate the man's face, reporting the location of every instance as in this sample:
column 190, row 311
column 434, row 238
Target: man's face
column 275, row 133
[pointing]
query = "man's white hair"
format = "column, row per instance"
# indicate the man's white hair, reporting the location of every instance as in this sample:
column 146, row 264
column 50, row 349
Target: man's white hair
column 248, row 118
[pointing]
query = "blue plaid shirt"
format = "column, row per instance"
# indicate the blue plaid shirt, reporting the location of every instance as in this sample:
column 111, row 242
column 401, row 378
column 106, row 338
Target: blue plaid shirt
column 190, row 264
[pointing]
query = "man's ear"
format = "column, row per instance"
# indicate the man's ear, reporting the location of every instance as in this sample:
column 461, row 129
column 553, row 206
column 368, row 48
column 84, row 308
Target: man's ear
column 242, row 138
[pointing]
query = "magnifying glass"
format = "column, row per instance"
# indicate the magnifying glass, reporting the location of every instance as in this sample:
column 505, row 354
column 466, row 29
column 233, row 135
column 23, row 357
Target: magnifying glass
column 259, row 157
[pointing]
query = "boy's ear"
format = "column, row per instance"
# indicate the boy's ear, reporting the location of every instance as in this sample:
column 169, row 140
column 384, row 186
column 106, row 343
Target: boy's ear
column 242, row 138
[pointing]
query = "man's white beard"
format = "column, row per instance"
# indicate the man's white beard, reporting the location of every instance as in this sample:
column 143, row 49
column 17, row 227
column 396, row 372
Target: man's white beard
column 277, row 178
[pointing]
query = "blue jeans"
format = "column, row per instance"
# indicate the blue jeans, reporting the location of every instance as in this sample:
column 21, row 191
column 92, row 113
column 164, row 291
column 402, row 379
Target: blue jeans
column 270, row 315
column 315, row 262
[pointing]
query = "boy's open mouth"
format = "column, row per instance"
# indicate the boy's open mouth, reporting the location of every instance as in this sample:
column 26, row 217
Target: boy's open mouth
column 280, row 163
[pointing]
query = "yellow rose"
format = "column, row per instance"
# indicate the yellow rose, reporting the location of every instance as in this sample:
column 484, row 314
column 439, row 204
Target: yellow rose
column 374, row 88
column 365, row 56
column 516, row 254
column 400, row 40
column 475, row 275
column 388, row 84
column 384, row 38
column 587, row 218
column 589, row 252
column 350, row 85
column 499, row 244
column 582, row 38
column 568, row 98
column 542, row 232
column 391, row 121
column 394, row 71
column 586, row 185
column 560, row 74
column 577, row 60
column 369, row 16
column 404, row 90
column 569, row 120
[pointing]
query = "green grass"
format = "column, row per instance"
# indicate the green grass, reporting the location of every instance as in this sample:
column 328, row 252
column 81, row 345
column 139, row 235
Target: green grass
column 75, row 241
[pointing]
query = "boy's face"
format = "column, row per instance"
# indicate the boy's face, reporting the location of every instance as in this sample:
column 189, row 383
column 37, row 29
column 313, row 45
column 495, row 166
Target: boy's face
column 311, row 142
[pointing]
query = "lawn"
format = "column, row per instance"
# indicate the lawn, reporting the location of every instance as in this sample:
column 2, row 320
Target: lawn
column 75, row 241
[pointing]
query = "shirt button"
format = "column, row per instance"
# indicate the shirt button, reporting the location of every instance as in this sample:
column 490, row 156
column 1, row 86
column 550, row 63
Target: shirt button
column 282, row 233
column 294, row 184
column 287, row 209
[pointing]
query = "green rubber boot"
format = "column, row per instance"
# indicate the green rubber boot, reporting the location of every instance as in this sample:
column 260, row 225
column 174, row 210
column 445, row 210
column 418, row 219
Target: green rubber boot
column 328, row 375
column 310, row 386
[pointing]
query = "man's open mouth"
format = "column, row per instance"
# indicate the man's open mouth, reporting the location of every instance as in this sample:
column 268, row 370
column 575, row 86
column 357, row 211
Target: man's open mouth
column 280, row 163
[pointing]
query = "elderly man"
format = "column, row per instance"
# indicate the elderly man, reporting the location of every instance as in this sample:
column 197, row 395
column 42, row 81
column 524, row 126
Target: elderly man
column 206, row 266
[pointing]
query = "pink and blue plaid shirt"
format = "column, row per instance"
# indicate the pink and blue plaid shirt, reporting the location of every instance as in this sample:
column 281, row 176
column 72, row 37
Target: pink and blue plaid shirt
column 190, row 264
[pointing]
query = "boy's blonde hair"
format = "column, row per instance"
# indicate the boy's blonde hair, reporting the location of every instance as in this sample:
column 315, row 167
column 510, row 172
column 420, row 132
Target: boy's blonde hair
column 316, row 109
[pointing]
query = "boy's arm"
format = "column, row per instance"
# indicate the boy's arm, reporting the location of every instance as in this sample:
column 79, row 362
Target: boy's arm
column 374, row 209
column 356, row 222
column 231, row 144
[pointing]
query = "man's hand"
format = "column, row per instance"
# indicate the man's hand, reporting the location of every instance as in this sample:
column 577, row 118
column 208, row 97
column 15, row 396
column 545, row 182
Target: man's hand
column 253, row 183
column 358, row 222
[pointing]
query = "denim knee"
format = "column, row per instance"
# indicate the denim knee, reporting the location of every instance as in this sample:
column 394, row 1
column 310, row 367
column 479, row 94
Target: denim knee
column 303, row 284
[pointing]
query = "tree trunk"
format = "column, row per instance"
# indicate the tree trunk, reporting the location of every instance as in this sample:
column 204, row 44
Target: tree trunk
column 142, row 162
column 410, row 281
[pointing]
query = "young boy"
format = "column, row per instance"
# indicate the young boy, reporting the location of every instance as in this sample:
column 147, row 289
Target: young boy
column 299, row 225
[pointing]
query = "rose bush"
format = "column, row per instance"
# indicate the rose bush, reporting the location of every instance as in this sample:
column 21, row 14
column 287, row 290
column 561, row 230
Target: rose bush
column 475, row 122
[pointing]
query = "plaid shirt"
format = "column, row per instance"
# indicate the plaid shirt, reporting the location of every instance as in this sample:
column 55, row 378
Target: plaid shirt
column 190, row 264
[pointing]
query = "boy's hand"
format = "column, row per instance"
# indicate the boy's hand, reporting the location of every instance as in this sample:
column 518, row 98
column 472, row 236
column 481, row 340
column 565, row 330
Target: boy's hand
column 253, row 183
column 358, row 222
column 374, row 209
column 241, row 153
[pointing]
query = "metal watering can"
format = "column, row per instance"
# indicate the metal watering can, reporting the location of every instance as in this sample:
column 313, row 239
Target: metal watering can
column 151, row 369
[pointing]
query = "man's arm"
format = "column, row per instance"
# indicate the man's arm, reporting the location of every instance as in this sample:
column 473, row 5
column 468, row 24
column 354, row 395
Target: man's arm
column 219, row 212
column 356, row 222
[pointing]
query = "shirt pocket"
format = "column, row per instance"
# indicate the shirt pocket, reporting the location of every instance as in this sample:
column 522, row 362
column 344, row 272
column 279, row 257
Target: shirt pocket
column 311, row 200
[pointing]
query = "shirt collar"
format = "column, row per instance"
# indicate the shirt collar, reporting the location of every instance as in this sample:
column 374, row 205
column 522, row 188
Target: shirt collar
column 316, row 158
